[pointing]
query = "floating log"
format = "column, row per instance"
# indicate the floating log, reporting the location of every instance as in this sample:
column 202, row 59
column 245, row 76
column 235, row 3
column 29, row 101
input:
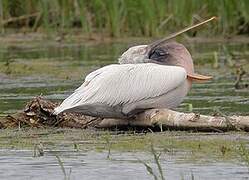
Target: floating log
column 39, row 113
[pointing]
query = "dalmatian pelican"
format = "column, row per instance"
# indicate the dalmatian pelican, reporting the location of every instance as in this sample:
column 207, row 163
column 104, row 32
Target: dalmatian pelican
column 157, row 75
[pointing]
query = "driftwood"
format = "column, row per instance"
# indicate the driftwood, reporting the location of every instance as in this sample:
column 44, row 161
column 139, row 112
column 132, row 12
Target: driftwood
column 38, row 113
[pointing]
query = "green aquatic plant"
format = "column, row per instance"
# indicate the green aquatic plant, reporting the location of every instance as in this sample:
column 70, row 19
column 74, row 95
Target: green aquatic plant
column 150, row 170
column 61, row 164
column 76, row 147
column 228, row 56
column 243, row 151
column 216, row 60
column 7, row 65
column 38, row 150
column 108, row 145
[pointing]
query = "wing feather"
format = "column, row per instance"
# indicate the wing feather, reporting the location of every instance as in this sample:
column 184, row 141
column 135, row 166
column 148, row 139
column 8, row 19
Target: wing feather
column 123, row 84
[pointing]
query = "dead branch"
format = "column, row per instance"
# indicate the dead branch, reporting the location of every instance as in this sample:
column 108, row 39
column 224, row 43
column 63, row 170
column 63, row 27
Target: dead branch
column 177, row 120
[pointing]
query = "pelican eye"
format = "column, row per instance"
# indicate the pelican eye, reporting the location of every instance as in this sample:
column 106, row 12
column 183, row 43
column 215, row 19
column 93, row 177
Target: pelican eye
column 158, row 55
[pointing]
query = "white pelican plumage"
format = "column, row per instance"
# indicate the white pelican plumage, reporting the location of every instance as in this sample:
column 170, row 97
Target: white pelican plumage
column 158, row 75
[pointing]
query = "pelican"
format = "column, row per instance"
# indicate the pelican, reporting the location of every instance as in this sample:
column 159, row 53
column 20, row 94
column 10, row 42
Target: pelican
column 157, row 75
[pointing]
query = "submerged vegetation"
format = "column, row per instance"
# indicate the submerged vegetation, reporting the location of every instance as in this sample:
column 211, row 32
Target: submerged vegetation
column 119, row 17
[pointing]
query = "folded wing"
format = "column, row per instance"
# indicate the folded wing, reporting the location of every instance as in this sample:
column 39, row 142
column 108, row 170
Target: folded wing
column 123, row 84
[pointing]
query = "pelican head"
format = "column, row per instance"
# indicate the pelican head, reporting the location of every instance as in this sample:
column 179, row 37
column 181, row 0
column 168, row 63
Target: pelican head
column 165, row 53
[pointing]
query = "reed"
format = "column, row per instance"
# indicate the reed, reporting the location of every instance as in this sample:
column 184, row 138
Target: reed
column 150, row 170
column 63, row 169
column 243, row 151
column 125, row 17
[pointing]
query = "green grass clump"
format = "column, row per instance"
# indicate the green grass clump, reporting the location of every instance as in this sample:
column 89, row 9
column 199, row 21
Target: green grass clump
column 125, row 17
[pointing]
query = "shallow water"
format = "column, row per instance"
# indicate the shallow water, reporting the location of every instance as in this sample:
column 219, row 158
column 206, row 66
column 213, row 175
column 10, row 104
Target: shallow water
column 55, row 70
column 91, row 165
column 85, row 155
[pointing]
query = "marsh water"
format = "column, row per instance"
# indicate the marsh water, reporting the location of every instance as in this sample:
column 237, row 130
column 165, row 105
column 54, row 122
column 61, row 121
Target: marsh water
column 54, row 70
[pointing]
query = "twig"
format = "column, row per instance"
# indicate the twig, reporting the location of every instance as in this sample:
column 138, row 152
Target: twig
column 189, row 28
column 182, row 31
